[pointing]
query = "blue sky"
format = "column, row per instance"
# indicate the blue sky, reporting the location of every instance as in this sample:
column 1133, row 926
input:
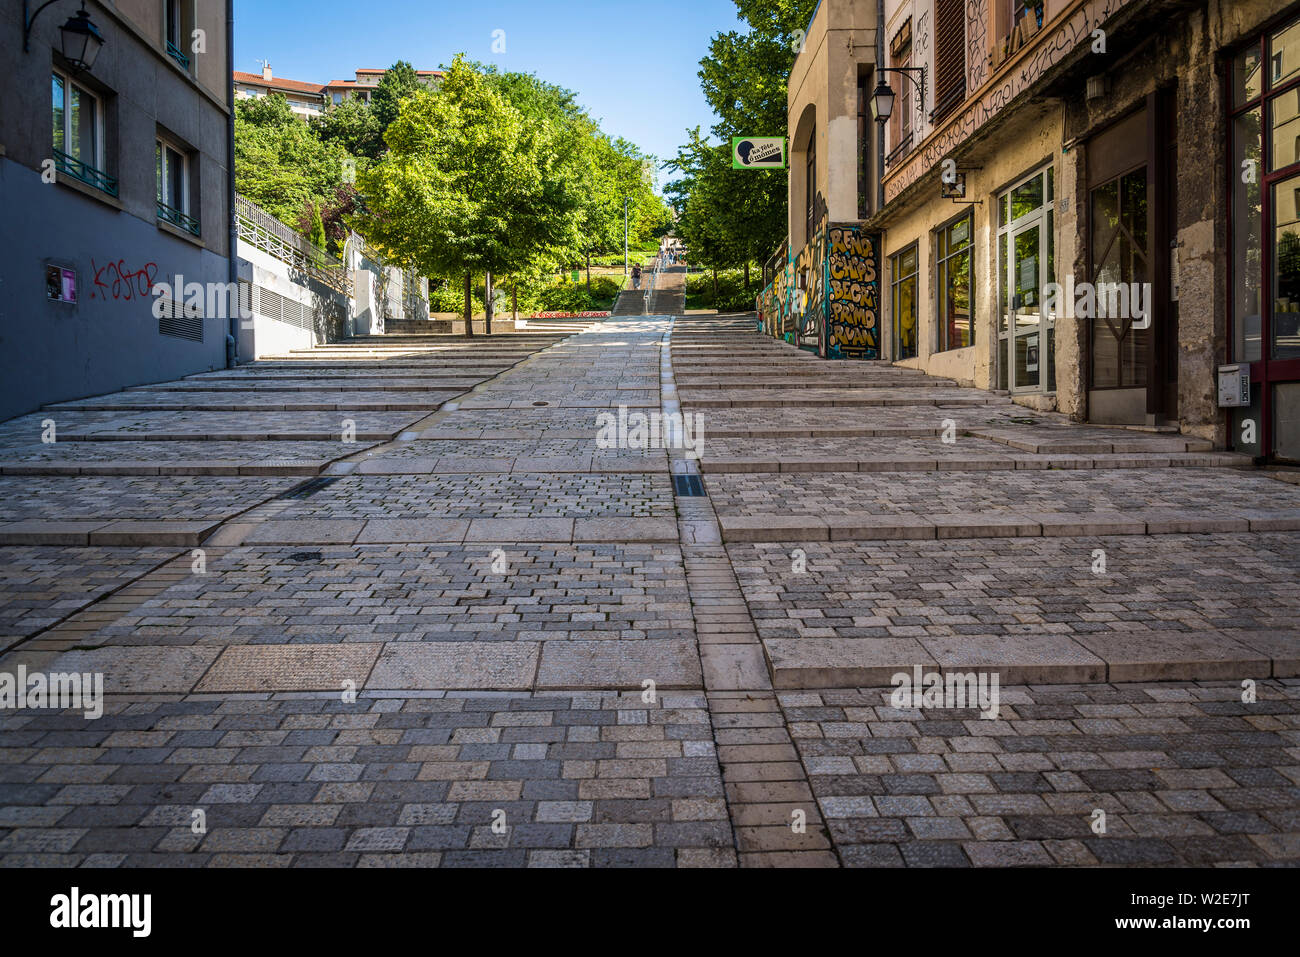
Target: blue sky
column 632, row 64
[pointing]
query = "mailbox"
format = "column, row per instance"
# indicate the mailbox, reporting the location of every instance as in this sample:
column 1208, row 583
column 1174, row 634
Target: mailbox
column 1234, row 386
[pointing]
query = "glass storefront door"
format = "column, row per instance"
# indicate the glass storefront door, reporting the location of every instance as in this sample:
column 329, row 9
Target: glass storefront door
column 1264, row 95
column 1026, row 345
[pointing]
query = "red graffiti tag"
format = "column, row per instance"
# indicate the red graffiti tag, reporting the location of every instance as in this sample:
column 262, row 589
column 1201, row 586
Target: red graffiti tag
column 117, row 281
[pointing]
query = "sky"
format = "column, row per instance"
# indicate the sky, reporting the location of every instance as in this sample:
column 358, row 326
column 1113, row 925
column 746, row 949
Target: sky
column 634, row 65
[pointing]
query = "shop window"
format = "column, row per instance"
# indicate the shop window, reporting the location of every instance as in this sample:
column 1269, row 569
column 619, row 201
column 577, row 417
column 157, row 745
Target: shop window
column 954, row 295
column 903, row 280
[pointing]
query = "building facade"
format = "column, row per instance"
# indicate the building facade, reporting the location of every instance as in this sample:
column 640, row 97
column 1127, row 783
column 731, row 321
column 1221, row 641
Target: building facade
column 365, row 83
column 1089, row 204
column 113, row 179
column 305, row 99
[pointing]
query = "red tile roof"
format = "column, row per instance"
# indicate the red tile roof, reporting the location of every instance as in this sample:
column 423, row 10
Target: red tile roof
column 291, row 86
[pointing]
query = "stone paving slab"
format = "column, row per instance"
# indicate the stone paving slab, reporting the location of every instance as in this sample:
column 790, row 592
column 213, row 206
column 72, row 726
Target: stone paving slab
column 185, row 425
column 468, row 665
column 1033, row 608
column 254, row 668
column 141, row 669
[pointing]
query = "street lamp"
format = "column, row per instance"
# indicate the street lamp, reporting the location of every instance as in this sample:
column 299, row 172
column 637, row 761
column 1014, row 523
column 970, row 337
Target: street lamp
column 882, row 108
column 882, row 97
column 81, row 39
column 626, row 200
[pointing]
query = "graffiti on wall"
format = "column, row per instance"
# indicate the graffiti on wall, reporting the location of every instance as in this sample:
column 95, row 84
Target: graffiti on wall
column 854, row 307
column 1073, row 31
column 810, row 292
column 827, row 298
column 977, row 43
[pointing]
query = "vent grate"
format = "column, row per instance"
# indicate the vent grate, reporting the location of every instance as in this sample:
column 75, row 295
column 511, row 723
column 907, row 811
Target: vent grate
column 179, row 322
column 689, row 486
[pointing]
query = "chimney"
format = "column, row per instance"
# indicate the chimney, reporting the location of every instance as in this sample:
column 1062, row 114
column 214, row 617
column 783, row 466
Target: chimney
column 266, row 72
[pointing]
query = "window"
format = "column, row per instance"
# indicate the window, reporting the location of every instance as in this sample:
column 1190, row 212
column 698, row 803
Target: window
column 954, row 294
column 178, row 27
column 338, row 98
column 78, row 133
column 949, row 56
column 901, row 121
column 903, row 269
column 173, row 167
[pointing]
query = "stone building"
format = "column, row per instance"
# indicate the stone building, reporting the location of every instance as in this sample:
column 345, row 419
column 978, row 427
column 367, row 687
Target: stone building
column 113, row 178
column 1090, row 204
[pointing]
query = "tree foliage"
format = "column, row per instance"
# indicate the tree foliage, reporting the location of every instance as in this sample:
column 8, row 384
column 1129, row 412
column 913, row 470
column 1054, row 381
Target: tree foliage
column 731, row 217
column 280, row 163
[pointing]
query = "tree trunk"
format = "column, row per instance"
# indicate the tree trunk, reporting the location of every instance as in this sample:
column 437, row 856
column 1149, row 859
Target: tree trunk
column 589, row 273
column 715, row 285
column 746, row 275
column 514, row 301
column 488, row 305
column 469, row 306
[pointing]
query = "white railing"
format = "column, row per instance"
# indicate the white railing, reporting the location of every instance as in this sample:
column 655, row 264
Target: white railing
column 263, row 231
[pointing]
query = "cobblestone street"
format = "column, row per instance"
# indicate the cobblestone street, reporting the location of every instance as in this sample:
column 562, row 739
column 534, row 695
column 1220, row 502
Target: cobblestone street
column 388, row 603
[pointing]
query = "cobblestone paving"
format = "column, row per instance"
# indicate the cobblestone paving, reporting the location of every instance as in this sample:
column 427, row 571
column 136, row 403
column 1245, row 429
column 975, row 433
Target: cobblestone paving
column 168, row 452
column 41, row 585
column 298, row 400
column 582, row 423
column 1185, row 775
column 711, row 767
column 495, row 495
column 419, row 593
column 1205, row 491
column 512, row 449
column 1022, row 586
column 590, row 780
column 145, row 425
column 181, row 497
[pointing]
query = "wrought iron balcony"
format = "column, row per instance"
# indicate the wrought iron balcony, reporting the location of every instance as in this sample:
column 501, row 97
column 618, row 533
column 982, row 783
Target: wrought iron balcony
column 85, row 172
column 175, row 53
column 170, row 214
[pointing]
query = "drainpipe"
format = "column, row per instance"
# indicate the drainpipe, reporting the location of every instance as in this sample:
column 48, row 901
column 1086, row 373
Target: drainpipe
column 235, row 310
column 880, row 127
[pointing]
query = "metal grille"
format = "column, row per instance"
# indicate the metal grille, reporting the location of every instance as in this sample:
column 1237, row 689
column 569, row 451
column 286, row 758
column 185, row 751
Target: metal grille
column 272, row 305
column 178, row 322
column 689, row 486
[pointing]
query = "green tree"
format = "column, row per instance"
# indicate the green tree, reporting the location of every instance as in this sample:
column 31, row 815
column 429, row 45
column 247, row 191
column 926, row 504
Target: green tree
column 280, row 163
column 745, row 80
column 400, row 82
column 353, row 126
column 471, row 184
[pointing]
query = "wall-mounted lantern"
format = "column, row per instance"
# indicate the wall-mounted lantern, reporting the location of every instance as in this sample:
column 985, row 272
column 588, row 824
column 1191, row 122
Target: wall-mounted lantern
column 81, row 39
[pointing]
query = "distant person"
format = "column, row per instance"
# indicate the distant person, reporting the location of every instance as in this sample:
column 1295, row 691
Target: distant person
column 636, row 277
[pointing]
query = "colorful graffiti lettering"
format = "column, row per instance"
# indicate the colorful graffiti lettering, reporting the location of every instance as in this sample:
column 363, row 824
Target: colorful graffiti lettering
column 116, row 281
column 854, row 295
column 834, row 308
